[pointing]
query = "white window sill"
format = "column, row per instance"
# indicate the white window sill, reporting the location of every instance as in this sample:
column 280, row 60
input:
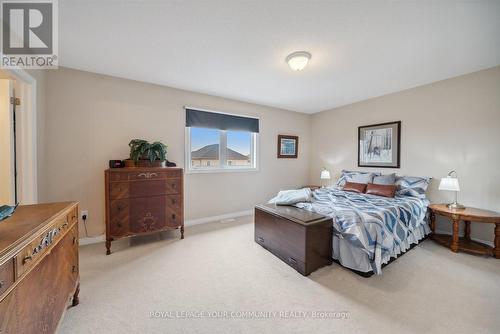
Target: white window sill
column 220, row 170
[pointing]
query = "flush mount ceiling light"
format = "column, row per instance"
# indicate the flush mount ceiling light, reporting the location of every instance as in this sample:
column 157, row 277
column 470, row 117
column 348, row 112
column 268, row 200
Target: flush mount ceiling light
column 298, row 60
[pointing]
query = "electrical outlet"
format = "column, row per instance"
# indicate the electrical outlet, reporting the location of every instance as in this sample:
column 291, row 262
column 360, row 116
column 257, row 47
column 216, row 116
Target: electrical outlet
column 84, row 213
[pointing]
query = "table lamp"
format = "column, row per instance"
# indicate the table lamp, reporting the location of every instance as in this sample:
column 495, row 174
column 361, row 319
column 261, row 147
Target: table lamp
column 325, row 175
column 450, row 183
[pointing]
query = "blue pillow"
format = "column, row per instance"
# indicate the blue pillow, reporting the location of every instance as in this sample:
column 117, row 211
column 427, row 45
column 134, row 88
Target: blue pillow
column 355, row 176
column 386, row 179
column 413, row 186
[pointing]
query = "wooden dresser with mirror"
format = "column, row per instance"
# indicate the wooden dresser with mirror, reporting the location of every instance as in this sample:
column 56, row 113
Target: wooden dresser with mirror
column 143, row 200
column 39, row 275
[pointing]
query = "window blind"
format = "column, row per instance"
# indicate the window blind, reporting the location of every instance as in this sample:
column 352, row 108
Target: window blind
column 213, row 120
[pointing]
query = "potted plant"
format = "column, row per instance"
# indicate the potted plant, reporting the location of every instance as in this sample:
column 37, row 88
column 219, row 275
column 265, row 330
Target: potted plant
column 145, row 154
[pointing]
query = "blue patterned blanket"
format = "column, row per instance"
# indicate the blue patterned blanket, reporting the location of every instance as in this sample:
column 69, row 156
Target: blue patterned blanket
column 378, row 225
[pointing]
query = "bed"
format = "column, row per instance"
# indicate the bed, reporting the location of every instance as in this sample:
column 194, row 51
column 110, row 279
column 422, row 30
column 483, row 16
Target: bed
column 368, row 230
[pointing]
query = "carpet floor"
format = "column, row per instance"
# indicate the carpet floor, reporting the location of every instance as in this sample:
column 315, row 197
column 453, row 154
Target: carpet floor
column 217, row 280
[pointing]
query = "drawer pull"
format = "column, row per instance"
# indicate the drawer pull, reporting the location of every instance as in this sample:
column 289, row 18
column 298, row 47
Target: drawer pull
column 74, row 240
column 147, row 175
column 73, row 269
column 173, row 216
column 2, row 284
column 27, row 259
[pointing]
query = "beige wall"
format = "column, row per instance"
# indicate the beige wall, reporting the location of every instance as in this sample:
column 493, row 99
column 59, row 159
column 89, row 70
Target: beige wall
column 40, row 77
column 448, row 125
column 6, row 145
column 90, row 118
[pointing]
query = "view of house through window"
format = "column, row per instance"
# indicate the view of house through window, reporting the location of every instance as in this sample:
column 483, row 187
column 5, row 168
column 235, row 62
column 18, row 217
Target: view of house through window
column 205, row 147
column 239, row 146
column 219, row 149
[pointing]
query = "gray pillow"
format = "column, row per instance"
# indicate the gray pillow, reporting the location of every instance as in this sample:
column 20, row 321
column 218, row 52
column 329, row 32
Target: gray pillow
column 362, row 178
column 350, row 176
column 385, row 179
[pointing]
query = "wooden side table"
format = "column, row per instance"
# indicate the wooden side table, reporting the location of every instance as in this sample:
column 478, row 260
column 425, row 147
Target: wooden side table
column 467, row 215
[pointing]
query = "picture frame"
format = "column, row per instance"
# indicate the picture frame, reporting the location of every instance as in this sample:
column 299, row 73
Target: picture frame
column 288, row 147
column 379, row 145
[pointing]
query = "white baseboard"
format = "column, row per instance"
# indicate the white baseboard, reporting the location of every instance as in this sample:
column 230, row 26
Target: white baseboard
column 92, row 240
column 191, row 222
column 198, row 221
column 486, row 242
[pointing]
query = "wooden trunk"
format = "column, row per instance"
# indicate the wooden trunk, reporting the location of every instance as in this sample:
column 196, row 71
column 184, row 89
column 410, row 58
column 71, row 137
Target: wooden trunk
column 300, row 238
column 143, row 200
column 38, row 267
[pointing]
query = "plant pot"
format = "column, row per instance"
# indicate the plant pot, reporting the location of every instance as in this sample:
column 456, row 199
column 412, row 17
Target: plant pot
column 144, row 163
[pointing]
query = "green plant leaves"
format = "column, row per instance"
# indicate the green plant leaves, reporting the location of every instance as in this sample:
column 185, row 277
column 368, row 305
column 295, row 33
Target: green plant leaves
column 142, row 149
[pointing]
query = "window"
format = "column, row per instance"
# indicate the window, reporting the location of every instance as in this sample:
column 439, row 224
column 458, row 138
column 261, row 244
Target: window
column 220, row 142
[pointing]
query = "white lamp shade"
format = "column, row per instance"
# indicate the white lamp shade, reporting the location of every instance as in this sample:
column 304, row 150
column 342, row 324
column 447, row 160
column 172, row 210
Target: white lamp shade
column 325, row 174
column 449, row 183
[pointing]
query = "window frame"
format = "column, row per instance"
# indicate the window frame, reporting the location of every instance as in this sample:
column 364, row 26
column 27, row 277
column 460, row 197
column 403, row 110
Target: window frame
column 223, row 167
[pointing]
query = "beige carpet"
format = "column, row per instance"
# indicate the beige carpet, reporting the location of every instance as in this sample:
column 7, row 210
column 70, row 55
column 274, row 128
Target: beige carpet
column 219, row 268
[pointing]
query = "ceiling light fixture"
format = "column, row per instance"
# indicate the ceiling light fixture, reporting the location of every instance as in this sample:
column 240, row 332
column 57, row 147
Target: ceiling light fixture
column 298, row 60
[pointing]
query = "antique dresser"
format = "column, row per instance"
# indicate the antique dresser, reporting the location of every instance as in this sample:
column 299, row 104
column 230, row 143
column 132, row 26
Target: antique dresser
column 38, row 267
column 143, row 200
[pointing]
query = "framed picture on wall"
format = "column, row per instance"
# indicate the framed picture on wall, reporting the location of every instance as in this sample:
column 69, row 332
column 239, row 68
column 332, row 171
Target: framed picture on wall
column 379, row 145
column 288, row 146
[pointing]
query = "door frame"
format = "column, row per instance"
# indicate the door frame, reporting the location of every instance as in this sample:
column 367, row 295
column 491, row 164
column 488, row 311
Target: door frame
column 27, row 134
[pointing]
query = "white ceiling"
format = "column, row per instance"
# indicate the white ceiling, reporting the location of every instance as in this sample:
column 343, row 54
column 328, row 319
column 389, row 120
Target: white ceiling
column 237, row 49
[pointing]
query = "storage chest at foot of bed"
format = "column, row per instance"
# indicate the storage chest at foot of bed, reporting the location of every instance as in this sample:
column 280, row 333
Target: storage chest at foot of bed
column 300, row 238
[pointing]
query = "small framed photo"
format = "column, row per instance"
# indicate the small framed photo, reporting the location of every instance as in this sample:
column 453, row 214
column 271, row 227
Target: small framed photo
column 379, row 145
column 288, row 146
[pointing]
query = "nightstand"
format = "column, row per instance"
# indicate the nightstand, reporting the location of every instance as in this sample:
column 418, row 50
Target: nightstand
column 467, row 215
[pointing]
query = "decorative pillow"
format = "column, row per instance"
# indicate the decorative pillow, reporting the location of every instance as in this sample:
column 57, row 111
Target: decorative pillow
column 385, row 179
column 385, row 190
column 354, row 176
column 413, row 186
column 354, row 187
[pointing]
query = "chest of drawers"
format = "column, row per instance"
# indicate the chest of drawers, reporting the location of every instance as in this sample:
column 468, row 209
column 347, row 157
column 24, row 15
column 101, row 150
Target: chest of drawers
column 38, row 267
column 143, row 200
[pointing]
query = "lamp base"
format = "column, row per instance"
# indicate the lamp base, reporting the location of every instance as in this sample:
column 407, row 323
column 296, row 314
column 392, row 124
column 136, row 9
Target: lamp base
column 455, row 206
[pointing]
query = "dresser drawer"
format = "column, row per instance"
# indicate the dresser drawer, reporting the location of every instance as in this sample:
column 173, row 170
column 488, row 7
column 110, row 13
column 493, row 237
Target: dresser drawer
column 173, row 186
column 147, row 214
column 72, row 216
column 174, row 173
column 119, row 190
column 27, row 257
column 147, row 188
column 118, row 176
column 147, row 175
column 6, row 275
column 174, row 218
column 174, row 202
column 119, row 222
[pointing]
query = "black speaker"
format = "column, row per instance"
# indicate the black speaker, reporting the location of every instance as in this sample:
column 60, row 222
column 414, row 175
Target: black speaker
column 115, row 164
